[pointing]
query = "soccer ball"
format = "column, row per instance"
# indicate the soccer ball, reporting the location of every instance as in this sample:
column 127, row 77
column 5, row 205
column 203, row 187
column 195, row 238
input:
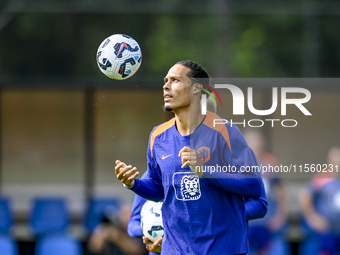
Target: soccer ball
column 151, row 220
column 119, row 57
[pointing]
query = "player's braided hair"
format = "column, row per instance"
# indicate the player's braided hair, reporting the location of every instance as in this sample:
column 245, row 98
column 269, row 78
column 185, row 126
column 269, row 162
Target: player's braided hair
column 198, row 74
column 197, row 71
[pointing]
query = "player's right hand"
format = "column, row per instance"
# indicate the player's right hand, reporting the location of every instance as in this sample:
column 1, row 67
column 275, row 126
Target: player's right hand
column 126, row 174
column 155, row 247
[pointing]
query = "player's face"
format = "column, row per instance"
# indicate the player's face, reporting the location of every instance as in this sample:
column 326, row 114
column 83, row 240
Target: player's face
column 177, row 88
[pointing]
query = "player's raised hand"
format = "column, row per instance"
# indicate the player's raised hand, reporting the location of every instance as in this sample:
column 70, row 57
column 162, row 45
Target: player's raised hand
column 190, row 158
column 126, row 174
column 155, row 247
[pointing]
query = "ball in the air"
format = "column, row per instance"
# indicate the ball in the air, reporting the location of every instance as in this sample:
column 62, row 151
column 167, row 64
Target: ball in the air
column 119, row 56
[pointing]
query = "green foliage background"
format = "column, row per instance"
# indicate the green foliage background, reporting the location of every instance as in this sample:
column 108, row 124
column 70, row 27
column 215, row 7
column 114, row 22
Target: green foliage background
column 63, row 42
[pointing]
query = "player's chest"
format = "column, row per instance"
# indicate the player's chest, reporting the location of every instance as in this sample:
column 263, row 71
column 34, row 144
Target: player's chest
column 170, row 162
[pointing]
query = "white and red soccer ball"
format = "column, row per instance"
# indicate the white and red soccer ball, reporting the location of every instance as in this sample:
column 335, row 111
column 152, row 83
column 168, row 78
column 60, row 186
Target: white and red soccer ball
column 151, row 220
column 119, row 56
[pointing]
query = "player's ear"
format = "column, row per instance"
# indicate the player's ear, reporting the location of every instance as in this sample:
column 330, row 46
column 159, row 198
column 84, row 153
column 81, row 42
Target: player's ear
column 197, row 88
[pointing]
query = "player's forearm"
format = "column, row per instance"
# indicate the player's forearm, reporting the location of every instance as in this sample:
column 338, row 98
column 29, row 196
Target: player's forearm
column 134, row 229
column 240, row 184
column 149, row 189
column 256, row 209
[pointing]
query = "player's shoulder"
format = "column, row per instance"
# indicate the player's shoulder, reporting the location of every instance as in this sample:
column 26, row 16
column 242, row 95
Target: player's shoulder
column 162, row 128
column 158, row 130
column 217, row 124
column 230, row 132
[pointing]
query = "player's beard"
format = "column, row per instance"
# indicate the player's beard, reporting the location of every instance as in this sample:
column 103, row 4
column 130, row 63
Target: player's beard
column 167, row 108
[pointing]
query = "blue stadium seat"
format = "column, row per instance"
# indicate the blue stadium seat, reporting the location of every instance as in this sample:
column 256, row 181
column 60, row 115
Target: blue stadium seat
column 6, row 217
column 7, row 245
column 96, row 209
column 58, row 244
column 49, row 215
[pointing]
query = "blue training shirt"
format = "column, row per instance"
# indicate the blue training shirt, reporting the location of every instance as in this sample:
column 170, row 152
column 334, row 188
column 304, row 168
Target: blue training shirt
column 255, row 208
column 201, row 215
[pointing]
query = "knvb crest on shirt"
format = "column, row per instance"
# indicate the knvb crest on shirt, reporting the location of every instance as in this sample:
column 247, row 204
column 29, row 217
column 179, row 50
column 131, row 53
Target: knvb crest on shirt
column 187, row 186
column 204, row 154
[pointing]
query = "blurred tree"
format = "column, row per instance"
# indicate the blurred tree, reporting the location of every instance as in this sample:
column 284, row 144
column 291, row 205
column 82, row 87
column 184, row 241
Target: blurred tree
column 176, row 38
column 236, row 45
column 245, row 56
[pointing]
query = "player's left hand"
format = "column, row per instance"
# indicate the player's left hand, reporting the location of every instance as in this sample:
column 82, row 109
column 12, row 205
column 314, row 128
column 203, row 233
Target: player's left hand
column 190, row 158
column 155, row 247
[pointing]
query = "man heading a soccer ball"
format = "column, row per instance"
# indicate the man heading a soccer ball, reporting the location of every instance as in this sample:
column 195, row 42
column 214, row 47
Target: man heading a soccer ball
column 203, row 212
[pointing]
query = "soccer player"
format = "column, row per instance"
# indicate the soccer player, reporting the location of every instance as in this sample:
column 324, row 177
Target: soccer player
column 199, row 169
column 255, row 208
column 320, row 205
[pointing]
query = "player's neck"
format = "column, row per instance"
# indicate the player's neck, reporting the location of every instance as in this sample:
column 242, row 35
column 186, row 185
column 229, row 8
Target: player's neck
column 187, row 120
